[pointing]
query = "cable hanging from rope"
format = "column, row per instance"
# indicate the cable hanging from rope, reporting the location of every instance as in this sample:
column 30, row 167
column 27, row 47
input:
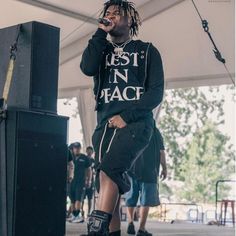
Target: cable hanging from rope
column 9, row 75
column 215, row 50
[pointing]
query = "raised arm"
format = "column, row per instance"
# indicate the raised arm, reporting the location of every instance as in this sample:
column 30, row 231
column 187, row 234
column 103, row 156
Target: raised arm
column 93, row 54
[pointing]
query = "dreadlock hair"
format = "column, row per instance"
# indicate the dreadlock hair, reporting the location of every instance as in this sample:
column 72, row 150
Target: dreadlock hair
column 129, row 10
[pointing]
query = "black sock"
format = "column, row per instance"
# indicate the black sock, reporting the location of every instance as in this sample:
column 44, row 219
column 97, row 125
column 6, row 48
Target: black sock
column 116, row 233
column 76, row 212
column 98, row 223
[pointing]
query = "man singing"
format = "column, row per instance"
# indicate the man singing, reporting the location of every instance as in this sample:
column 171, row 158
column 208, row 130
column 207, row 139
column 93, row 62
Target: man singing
column 128, row 85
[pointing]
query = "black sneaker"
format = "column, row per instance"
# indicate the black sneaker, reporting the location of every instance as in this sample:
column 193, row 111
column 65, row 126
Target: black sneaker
column 143, row 233
column 131, row 229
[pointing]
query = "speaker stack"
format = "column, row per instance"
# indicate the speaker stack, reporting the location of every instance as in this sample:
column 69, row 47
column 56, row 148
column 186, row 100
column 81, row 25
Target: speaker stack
column 35, row 77
column 33, row 138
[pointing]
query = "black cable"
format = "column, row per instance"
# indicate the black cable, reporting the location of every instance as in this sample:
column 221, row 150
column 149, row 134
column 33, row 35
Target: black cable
column 226, row 68
column 215, row 50
column 197, row 10
column 13, row 48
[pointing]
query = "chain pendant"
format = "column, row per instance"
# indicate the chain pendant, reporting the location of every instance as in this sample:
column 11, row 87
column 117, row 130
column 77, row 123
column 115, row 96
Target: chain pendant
column 118, row 51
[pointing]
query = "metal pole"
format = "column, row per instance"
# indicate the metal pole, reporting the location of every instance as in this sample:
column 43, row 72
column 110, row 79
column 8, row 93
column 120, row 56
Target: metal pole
column 217, row 184
column 216, row 199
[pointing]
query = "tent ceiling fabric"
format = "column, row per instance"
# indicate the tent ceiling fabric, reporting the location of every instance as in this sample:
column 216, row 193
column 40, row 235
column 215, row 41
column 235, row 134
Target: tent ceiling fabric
column 147, row 10
column 172, row 25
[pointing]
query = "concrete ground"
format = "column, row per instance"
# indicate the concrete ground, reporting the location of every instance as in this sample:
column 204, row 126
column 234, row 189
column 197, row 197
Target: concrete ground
column 166, row 229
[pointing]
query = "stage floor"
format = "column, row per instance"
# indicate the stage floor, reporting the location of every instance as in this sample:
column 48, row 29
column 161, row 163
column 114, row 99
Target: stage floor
column 166, row 229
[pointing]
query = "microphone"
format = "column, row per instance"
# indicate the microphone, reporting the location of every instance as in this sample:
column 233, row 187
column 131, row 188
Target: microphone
column 104, row 21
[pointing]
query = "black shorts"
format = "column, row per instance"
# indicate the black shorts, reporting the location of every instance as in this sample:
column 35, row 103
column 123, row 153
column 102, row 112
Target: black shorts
column 77, row 190
column 117, row 149
column 89, row 193
column 68, row 189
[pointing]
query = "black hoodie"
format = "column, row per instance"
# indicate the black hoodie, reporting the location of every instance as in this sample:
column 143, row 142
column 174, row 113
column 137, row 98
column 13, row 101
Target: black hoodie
column 130, row 85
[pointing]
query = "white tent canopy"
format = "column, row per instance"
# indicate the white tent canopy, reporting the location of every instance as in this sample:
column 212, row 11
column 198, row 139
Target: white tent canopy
column 173, row 26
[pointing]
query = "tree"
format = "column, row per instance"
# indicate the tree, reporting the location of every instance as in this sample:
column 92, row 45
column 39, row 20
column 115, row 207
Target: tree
column 207, row 159
column 189, row 122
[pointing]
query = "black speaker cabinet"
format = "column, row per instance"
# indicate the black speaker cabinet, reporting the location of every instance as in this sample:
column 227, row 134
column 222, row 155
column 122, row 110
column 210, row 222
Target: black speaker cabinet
column 35, row 173
column 35, row 79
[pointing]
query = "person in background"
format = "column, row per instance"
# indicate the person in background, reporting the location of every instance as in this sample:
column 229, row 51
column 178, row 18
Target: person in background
column 90, row 185
column 70, row 167
column 70, row 176
column 144, row 183
column 81, row 168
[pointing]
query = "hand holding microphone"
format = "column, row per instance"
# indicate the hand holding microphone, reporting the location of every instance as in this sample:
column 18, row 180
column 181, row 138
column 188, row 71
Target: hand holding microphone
column 105, row 24
column 104, row 21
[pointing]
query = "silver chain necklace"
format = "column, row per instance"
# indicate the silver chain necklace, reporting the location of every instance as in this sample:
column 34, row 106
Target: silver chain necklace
column 119, row 49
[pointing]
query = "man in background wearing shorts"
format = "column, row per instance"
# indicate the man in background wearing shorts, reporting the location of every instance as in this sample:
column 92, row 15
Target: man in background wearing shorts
column 144, row 183
column 89, row 185
column 77, row 188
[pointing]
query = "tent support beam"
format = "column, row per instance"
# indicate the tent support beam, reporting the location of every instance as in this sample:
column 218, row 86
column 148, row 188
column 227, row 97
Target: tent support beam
column 59, row 10
column 147, row 11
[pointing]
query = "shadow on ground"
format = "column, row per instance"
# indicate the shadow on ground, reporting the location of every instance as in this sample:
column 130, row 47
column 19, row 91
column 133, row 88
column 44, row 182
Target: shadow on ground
column 166, row 229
